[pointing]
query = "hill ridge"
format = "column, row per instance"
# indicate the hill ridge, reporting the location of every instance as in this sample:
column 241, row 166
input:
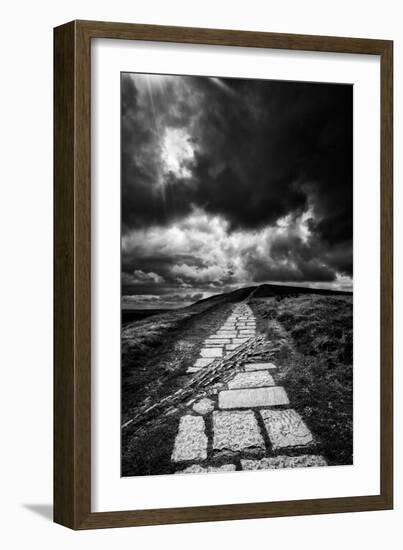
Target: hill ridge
column 268, row 290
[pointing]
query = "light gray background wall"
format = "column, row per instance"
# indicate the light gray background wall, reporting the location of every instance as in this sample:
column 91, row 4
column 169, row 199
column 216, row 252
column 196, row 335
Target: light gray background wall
column 26, row 287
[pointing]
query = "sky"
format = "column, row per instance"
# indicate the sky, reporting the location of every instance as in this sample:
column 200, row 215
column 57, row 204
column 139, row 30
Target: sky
column 229, row 183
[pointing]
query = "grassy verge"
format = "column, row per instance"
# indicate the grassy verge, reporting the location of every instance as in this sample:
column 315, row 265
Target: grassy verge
column 315, row 360
column 148, row 450
column 156, row 352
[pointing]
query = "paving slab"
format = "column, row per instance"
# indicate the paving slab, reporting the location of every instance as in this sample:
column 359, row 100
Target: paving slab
column 283, row 461
column 211, row 352
column 239, row 340
column 259, row 366
column 226, row 334
column 236, row 431
column 253, row 397
column 231, row 347
column 197, row 469
column 214, row 345
column 192, row 370
column 211, row 340
column 191, row 440
column 254, row 379
column 286, row 428
column 204, row 406
column 203, row 362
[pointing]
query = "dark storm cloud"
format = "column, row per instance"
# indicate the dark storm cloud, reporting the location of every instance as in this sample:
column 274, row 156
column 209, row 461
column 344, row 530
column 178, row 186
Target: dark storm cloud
column 288, row 144
column 260, row 152
column 145, row 116
column 291, row 260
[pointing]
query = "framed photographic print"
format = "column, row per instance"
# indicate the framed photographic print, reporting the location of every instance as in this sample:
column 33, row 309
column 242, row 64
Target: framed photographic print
column 223, row 275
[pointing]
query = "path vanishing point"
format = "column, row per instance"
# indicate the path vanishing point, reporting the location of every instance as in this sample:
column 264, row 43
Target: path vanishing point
column 249, row 424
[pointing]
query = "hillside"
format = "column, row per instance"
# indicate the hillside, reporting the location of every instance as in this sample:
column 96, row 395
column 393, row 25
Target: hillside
column 268, row 290
column 305, row 333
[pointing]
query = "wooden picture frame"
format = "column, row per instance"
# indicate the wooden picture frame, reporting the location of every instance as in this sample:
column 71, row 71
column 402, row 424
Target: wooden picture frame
column 72, row 304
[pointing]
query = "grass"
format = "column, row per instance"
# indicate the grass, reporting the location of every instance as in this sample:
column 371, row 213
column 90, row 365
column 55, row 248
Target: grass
column 315, row 357
column 312, row 345
column 156, row 352
column 148, row 450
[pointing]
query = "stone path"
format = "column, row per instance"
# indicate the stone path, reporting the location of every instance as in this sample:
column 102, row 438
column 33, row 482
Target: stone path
column 237, row 329
column 249, row 424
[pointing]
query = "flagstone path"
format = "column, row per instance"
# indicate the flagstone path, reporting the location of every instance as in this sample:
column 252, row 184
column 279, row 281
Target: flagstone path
column 249, row 424
column 237, row 329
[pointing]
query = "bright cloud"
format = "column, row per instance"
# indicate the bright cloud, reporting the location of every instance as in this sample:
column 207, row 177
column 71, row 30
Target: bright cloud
column 149, row 277
column 177, row 152
column 201, row 250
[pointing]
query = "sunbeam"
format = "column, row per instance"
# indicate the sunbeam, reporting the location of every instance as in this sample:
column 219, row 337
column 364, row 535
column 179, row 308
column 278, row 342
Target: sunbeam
column 222, row 85
column 177, row 152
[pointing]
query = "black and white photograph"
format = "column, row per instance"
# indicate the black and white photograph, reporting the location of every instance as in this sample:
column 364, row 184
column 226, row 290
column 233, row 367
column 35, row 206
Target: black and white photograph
column 236, row 274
